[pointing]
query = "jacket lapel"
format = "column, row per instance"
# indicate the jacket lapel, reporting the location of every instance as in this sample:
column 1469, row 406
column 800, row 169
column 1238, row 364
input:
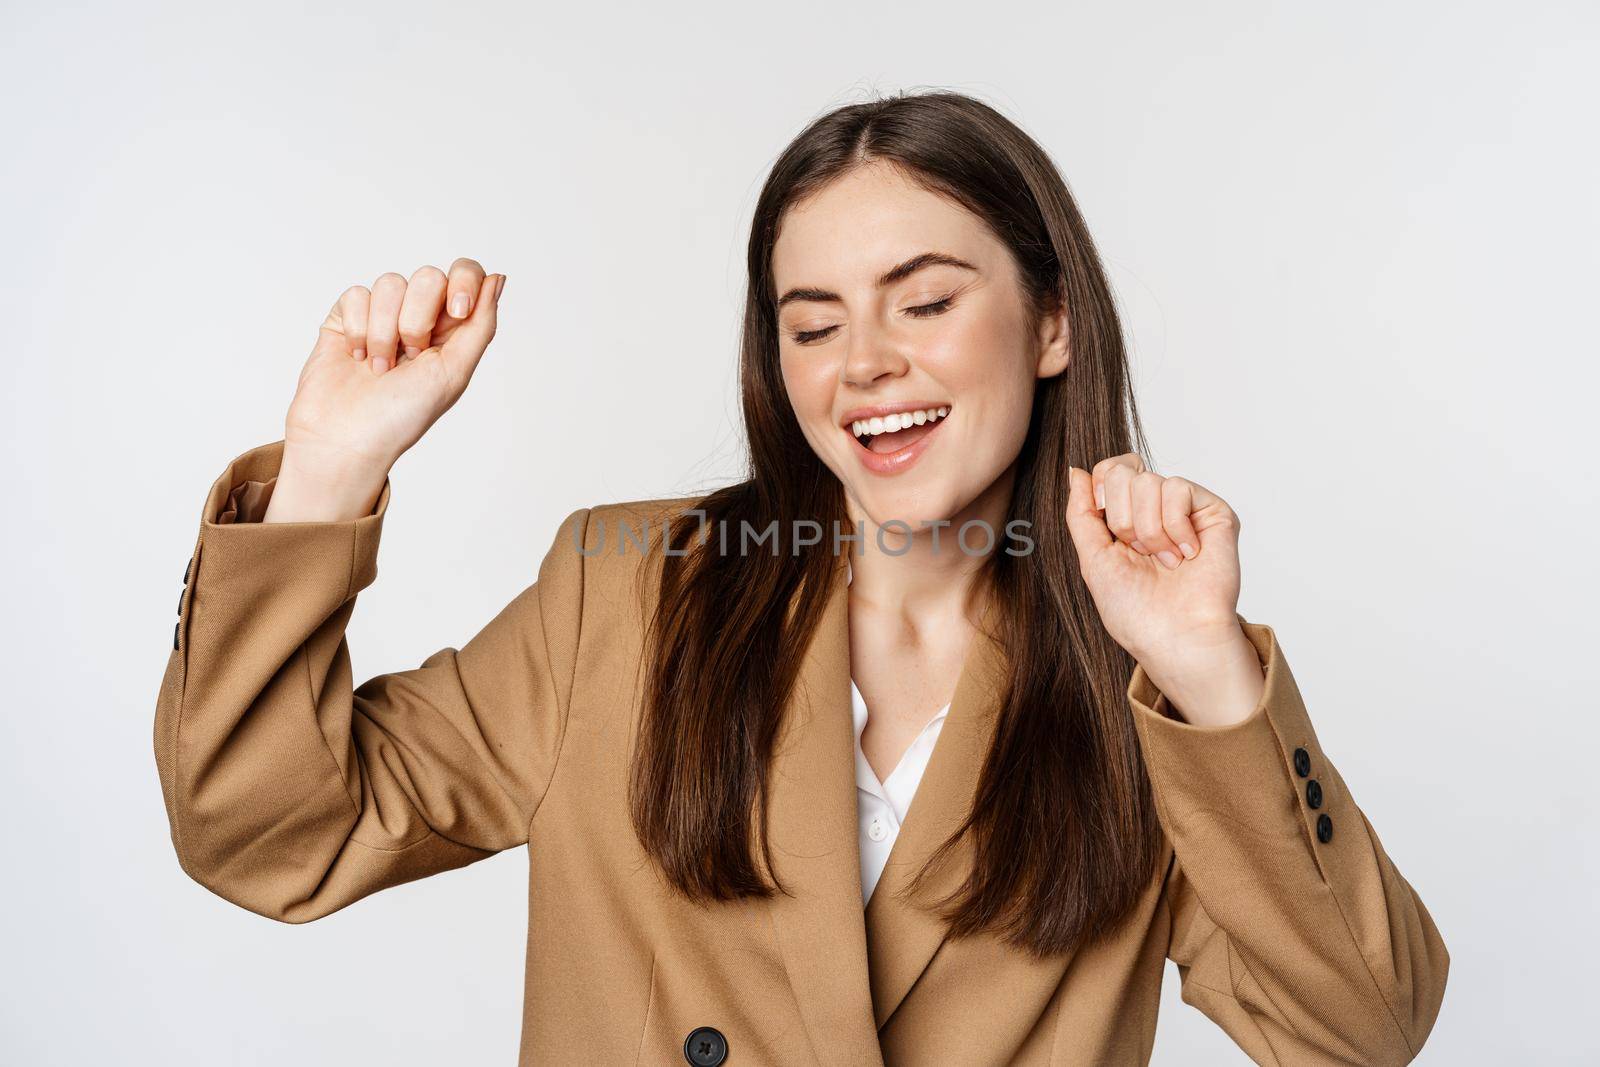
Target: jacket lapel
column 813, row 833
column 851, row 969
column 902, row 935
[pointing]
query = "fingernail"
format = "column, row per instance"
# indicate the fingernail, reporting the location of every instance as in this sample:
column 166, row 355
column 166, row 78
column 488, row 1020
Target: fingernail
column 499, row 288
column 1187, row 549
column 1100, row 497
column 1168, row 558
column 379, row 364
column 411, row 350
column 460, row 304
column 1137, row 547
column 361, row 354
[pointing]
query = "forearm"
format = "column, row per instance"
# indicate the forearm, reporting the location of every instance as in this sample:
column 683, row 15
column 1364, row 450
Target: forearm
column 1284, row 902
column 254, row 754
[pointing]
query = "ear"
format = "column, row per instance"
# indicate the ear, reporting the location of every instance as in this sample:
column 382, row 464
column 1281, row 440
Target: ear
column 1055, row 342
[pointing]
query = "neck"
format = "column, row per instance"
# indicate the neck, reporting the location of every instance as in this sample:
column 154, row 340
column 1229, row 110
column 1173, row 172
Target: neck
column 922, row 586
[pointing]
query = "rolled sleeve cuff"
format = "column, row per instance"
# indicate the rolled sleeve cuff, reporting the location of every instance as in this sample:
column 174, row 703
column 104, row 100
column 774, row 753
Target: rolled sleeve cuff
column 243, row 491
column 240, row 563
column 236, row 539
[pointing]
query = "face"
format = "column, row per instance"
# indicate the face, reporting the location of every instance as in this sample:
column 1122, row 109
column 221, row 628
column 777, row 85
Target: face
column 947, row 351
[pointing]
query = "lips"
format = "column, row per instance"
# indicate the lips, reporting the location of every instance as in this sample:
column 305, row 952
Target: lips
column 892, row 452
column 878, row 411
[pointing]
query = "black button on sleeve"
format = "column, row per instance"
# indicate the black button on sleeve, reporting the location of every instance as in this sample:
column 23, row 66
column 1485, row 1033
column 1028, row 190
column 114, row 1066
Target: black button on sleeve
column 1302, row 762
column 180, row 600
column 1314, row 793
column 189, row 564
column 705, row 1047
column 1324, row 828
column 175, row 628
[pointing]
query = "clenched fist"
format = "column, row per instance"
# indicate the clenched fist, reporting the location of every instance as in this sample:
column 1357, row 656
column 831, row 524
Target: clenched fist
column 1178, row 617
column 387, row 363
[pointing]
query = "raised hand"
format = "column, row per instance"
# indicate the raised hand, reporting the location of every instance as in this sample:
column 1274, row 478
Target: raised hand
column 1160, row 556
column 387, row 363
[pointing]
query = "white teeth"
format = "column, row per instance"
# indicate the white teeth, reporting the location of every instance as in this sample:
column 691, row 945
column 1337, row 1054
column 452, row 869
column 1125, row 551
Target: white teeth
column 889, row 423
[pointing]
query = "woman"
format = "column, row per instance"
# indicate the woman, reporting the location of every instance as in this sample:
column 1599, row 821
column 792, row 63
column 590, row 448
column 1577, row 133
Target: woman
column 1120, row 769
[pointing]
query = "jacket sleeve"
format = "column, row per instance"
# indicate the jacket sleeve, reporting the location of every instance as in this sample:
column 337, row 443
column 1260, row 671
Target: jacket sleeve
column 1291, row 927
column 293, row 793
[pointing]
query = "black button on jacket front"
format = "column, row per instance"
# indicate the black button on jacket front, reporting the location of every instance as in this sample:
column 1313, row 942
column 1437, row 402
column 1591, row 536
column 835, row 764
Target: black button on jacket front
column 705, row 1047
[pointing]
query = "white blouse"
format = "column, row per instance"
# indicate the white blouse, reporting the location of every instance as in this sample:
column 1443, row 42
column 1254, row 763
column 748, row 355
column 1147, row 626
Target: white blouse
column 881, row 805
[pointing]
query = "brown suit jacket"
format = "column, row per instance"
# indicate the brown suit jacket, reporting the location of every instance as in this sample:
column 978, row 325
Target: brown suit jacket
column 293, row 793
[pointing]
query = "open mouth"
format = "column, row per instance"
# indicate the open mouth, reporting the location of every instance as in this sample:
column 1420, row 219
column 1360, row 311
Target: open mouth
column 891, row 433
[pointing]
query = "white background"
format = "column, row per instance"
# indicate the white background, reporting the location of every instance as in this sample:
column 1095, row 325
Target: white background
column 1355, row 247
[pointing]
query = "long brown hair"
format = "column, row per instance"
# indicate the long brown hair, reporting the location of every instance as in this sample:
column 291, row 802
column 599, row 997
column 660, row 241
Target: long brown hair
column 1063, row 825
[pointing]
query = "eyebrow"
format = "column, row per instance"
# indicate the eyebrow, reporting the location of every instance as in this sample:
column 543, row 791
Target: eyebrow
column 889, row 277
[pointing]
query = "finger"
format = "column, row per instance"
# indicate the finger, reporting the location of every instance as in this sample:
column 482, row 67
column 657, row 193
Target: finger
column 466, row 345
column 1127, row 459
column 353, row 305
column 1205, row 498
column 1212, row 518
column 1148, row 525
column 383, row 320
column 1177, row 504
column 1117, row 491
column 1088, row 530
column 466, row 280
column 419, row 311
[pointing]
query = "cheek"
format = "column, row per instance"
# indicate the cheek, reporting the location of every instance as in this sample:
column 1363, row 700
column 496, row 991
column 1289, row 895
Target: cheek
column 810, row 385
column 1011, row 401
column 986, row 365
column 976, row 352
column 973, row 348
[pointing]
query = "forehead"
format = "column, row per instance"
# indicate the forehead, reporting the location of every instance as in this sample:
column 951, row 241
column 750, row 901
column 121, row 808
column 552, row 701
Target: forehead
column 865, row 222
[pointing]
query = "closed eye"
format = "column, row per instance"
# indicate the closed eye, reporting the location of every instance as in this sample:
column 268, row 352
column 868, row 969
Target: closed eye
column 921, row 311
column 925, row 310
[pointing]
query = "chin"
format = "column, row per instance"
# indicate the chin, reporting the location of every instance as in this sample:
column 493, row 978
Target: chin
column 918, row 507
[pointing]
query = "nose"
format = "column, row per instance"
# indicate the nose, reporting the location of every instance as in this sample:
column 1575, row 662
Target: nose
column 870, row 355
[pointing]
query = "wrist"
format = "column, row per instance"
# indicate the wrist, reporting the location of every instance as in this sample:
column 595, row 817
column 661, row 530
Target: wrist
column 1196, row 639
column 1211, row 678
column 331, row 464
column 324, row 489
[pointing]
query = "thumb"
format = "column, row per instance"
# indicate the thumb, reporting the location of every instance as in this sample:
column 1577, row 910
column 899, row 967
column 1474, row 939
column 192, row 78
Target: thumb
column 1084, row 522
column 466, row 345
